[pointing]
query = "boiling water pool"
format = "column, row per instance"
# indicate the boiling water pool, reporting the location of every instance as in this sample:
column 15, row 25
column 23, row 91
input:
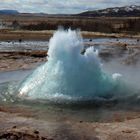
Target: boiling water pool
column 89, row 111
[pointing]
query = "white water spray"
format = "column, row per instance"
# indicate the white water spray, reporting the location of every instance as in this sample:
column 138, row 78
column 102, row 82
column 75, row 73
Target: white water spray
column 69, row 75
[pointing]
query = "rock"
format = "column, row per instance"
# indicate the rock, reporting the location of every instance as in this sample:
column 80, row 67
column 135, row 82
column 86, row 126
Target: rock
column 36, row 132
column 127, row 131
column 13, row 137
column 19, row 135
column 20, row 40
column 14, row 127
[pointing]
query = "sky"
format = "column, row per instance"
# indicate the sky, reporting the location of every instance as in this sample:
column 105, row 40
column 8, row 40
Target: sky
column 62, row 6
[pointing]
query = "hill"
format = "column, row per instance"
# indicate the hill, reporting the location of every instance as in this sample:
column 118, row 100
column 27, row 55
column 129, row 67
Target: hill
column 126, row 11
column 9, row 12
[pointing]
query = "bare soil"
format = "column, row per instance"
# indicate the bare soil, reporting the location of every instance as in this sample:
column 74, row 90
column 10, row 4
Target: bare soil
column 19, row 124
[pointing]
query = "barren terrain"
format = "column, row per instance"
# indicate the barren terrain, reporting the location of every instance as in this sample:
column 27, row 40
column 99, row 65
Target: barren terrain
column 19, row 123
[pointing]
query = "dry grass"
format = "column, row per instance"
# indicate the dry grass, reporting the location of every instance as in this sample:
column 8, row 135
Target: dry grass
column 46, row 35
column 25, row 35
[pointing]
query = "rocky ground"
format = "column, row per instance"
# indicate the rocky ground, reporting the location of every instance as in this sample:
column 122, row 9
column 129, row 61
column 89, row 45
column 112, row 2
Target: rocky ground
column 21, row 60
column 19, row 124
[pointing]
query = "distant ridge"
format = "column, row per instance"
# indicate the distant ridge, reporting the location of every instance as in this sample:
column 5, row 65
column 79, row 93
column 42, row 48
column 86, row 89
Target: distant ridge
column 9, row 12
column 127, row 11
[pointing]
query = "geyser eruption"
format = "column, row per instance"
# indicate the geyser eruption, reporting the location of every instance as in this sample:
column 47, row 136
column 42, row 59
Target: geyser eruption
column 70, row 75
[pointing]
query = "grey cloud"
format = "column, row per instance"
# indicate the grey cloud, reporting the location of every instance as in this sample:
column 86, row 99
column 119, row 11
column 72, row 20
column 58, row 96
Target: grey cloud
column 62, row 6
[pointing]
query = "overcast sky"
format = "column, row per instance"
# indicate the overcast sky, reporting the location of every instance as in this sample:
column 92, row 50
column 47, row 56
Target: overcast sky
column 62, row 6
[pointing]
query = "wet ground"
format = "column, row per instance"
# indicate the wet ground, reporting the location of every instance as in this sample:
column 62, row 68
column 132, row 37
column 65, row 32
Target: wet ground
column 28, row 54
column 23, row 122
column 23, row 45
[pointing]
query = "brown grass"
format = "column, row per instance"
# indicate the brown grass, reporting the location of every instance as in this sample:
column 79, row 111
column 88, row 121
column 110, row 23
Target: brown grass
column 46, row 35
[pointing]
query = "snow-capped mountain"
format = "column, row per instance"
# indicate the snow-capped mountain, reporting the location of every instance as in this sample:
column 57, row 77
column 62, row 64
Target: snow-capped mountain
column 132, row 10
